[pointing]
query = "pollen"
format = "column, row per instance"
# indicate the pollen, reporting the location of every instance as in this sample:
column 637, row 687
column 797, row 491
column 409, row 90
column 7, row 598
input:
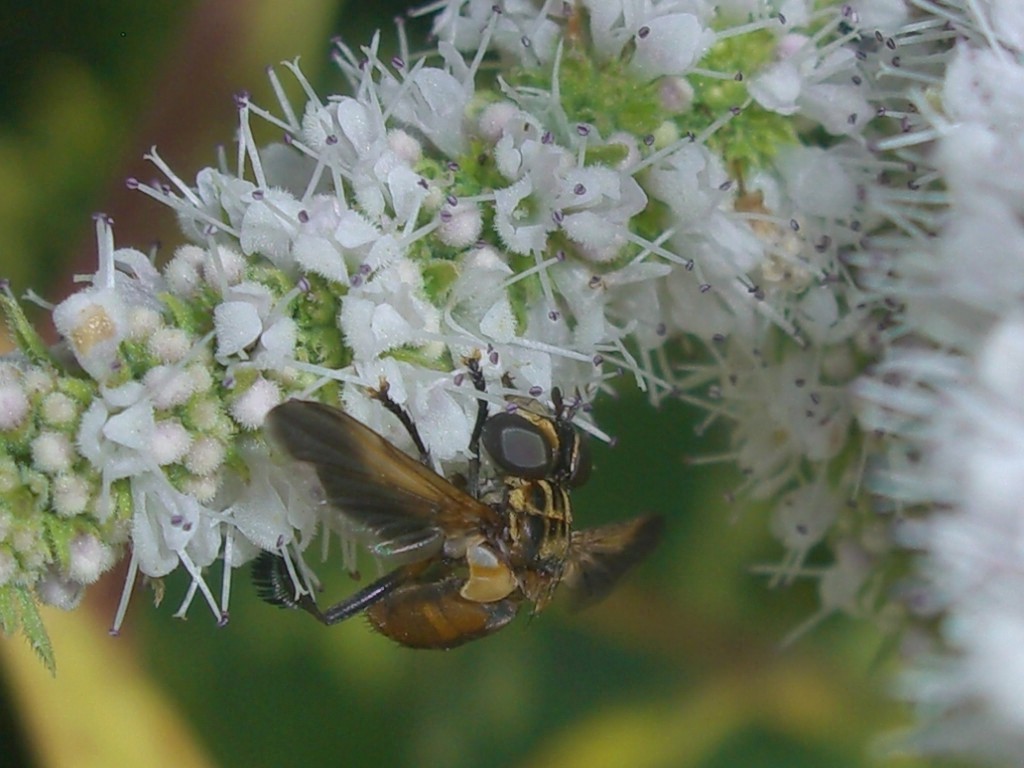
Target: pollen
column 94, row 327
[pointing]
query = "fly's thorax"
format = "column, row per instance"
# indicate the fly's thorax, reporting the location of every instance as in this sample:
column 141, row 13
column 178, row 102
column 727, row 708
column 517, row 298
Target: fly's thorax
column 539, row 520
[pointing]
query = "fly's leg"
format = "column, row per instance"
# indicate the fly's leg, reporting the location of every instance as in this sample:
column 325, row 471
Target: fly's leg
column 274, row 585
column 477, row 377
column 381, row 394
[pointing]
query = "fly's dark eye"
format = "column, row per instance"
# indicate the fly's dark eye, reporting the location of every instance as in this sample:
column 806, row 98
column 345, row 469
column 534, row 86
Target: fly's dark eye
column 517, row 446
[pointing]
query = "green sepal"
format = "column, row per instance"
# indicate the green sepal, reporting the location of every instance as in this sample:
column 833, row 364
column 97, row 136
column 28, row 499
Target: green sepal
column 438, row 277
column 19, row 611
column 25, row 336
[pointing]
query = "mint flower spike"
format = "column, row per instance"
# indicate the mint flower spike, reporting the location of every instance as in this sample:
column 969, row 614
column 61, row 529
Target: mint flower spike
column 944, row 399
column 565, row 192
column 422, row 219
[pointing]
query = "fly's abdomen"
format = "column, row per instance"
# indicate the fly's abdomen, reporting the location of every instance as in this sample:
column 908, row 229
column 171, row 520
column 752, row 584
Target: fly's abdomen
column 434, row 615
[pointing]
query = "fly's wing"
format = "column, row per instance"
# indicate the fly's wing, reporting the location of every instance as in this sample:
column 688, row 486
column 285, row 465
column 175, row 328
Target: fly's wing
column 599, row 557
column 400, row 503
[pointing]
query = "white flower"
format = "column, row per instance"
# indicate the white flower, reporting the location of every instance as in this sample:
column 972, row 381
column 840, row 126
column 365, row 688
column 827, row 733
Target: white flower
column 170, row 528
column 316, row 249
column 52, row 452
column 592, row 205
column 71, row 495
column 96, row 320
column 946, row 395
column 801, row 520
column 785, row 414
column 667, row 42
column 433, row 102
column 59, row 590
column 280, row 505
column 90, row 558
column 521, row 30
column 347, row 131
column 268, row 226
column 14, row 403
column 598, row 215
column 169, row 386
column 252, row 406
column 215, row 196
column 824, row 89
column 248, row 324
column 59, row 410
column 460, row 225
column 669, row 45
column 388, row 311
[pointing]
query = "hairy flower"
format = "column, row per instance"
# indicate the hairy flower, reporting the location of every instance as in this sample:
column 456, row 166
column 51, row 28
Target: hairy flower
column 801, row 222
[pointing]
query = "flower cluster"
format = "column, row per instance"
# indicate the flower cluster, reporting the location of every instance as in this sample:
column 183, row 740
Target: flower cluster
column 745, row 205
column 945, row 398
column 636, row 174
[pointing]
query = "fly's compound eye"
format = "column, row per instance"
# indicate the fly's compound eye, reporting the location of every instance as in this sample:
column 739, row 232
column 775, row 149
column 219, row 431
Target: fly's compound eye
column 518, row 446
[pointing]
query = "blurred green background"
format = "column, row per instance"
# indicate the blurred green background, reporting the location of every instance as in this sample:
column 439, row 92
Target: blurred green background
column 680, row 667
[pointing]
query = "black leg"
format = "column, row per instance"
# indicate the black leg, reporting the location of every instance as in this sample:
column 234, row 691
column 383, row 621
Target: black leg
column 361, row 600
column 381, row 394
column 477, row 377
column 274, row 585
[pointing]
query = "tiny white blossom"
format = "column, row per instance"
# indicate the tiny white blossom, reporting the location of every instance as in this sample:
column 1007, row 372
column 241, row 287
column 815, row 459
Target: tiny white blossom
column 168, row 386
column 818, row 88
column 71, row 495
column 60, row 591
column 388, row 311
column 238, row 321
column 206, row 456
column 52, row 452
column 171, row 442
column 669, row 45
column 89, row 558
column 95, row 321
column 169, row 345
column 250, row 409
column 14, row 403
column 268, row 224
column 8, row 567
column 460, row 225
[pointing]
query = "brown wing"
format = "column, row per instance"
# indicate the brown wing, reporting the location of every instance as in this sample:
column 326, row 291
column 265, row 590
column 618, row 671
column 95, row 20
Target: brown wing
column 400, row 503
column 599, row 557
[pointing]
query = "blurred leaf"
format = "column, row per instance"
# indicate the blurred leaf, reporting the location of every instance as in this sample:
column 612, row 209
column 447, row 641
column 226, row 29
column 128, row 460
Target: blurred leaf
column 99, row 711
